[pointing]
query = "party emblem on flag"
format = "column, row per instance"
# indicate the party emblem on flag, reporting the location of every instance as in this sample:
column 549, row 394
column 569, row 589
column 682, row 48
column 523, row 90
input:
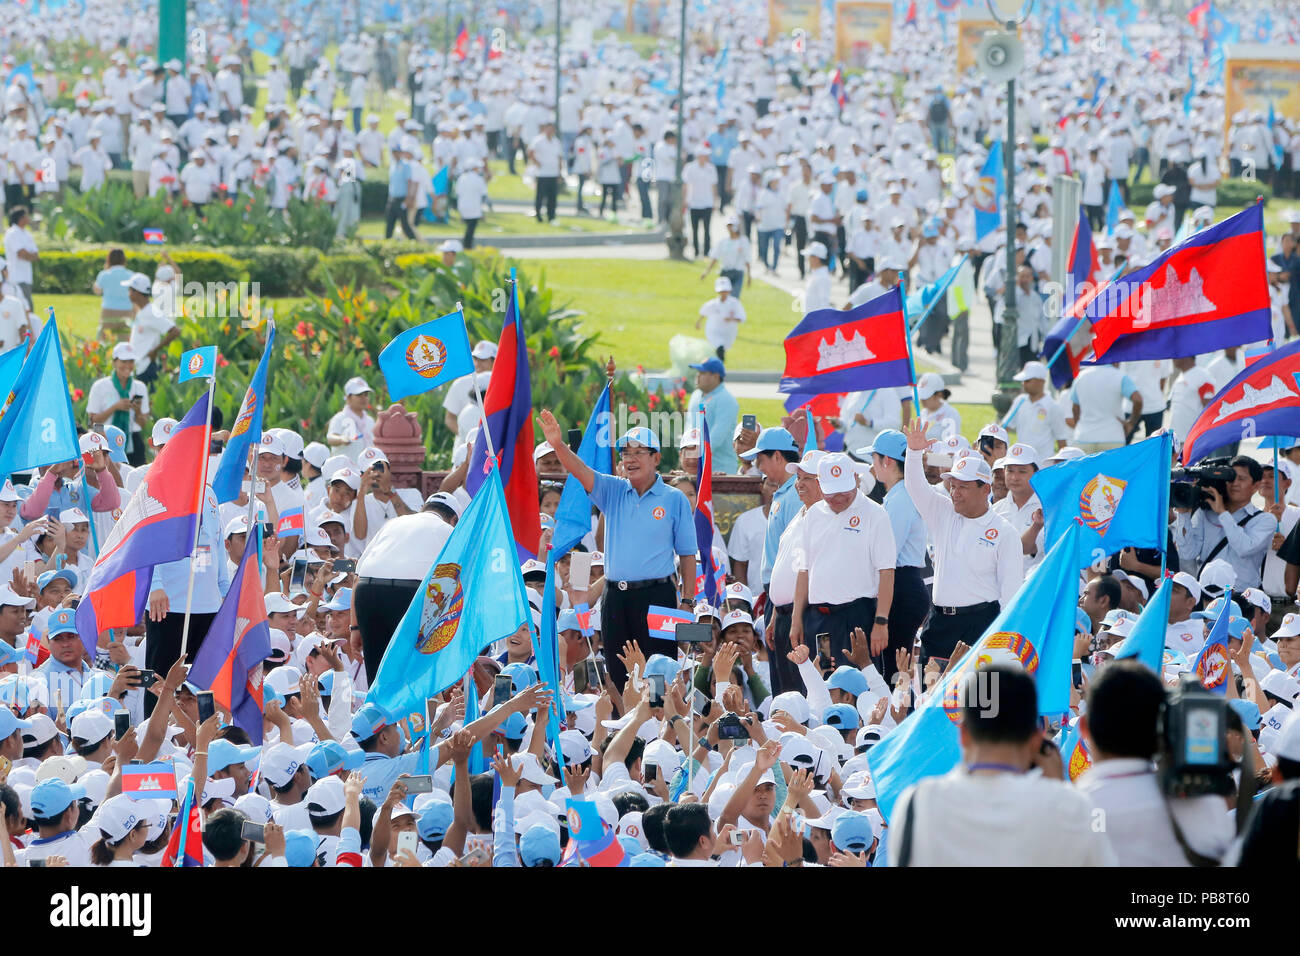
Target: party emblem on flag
column 1004, row 647
column 575, row 820
column 195, row 363
column 444, row 600
column 426, row 356
column 1099, row 501
column 1174, row 299
column 986, row 194
column 1212, row 668
column 1079, row 760
column 245, row 416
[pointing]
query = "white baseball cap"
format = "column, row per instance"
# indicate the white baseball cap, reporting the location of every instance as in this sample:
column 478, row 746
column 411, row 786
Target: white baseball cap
column 1189, row 582
column 931, row 383
column 1031, row 370
column 808, row 464
column 836, row 474
column 1021, row 454
column 355, row 386
column 970, row 468
column 162, row 431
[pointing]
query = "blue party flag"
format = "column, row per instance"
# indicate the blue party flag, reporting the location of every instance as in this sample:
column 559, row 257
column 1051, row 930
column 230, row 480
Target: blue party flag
column 11, row 363
column 426, row 356
column 1212, row 666
column 473, row 595
column 989, row 190
column 1035, row 631
column 573, row 516
column 1121, row 496
column 36, row 423
column 1114, row 203
column 198, row 363
column 244, row 431
column 1146, row 641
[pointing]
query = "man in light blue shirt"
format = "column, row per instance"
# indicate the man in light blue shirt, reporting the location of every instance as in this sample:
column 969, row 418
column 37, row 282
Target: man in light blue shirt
column 721, row 410
column 164, row 624
column 774, row 450
column 646, row 523
column 911, row 599
column 401, row 192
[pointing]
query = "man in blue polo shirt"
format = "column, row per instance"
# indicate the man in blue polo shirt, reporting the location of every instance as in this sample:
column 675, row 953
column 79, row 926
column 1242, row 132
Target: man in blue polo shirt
column 646, row 523
column 721, row 410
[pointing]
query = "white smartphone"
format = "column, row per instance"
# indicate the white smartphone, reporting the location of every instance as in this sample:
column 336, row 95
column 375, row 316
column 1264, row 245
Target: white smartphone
column 580, row 570
column 407, row 840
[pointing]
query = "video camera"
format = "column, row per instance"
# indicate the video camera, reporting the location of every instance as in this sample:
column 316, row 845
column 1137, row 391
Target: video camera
column 1194, row 759
column 1188, row 487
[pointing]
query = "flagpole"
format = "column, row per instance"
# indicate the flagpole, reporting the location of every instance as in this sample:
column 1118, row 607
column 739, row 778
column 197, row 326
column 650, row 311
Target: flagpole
column 90, row 508
column 907, row 337
column 198, row 522
column 482, row 415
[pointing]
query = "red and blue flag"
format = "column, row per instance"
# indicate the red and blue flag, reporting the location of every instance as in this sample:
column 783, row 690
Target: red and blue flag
column 292, row 523
column 837, row 88
column 1263, row 399
column 862, row 348
column 508, row 414
column 229, row 661
column 149, row 781
column 709, row 571
column 1212, row 666
column 662, row 621
column 1072, row 330
column 1206, row 293
column 185, row 848
column 157, row 526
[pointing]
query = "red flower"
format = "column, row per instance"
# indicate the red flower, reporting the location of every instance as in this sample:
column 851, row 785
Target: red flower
column 167, row 209
column 631, row 408
column 221, row 361
column 654, row 400
column 77, row 394
column 366, row 363
column 229, row 203
column 304, row 423
column 555, row 351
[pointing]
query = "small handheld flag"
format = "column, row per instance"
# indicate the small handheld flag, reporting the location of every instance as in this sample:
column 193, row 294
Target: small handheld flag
column 154, row 237
column 989, row 190
column 245, row 430
column 1213, row 667
column 149, row 781
column 662, row 621
column 597, row 843
column 198, row 363
column 426, row 356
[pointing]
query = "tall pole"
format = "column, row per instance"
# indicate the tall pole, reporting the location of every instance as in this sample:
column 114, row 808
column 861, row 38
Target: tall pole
column 1009, row 354
column 677, row 233
column 557, row 80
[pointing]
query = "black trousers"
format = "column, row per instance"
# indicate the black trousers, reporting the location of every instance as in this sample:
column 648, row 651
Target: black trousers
column 470, row 226
column 395, row 213
column 800, row 240
column 837, row 620
column 378, row 609
column 906, row 615
column 784, row 675
column 622, row 619
column 547, row 189
column 723, row 196
column 942, row 631
column 162, row 645
column 700, row 217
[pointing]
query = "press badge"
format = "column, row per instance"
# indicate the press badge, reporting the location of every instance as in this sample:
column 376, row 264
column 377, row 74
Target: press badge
column 203, row 558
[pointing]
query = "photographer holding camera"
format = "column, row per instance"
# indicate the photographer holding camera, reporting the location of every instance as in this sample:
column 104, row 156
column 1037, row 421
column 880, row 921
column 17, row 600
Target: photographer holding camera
column 1226, row 525
column 1121, row 726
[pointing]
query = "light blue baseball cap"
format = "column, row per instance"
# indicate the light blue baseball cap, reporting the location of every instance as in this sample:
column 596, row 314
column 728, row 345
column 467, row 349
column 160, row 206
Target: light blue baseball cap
column 641, row 436
column 568, row 620
column 889, row 443
column 330, row 756
column 116, row 439
column 433, row 820
column 64, row 620
column 9, row 723
column 852, row 831
column 52, row 796
column 369, row 720
column 841, row 716
column 538, row 844
column 223, row 754
column 300, row 847
column 772, row 439
column 848, row 679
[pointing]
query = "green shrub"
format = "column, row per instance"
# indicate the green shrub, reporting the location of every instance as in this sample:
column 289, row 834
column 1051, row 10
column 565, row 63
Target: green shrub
column 349, row 269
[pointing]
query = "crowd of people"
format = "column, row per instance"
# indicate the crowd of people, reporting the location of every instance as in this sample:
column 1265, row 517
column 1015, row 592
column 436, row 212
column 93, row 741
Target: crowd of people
column 875, row 557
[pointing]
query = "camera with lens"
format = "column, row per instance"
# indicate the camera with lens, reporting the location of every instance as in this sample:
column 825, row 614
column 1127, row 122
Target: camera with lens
column 1188, row 487
column 1194, row 759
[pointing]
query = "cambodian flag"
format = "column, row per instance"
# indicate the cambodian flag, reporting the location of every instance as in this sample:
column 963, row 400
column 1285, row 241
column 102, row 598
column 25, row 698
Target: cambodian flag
column 1082, row 284
column 837, row 88
column 149, row 781
column 229, row 661
column 1206, row 293
column 508, row 409
column 291, row 523
column 704, row 515
column 157, row 526
column 185, row 848
column 154, row 237
column 1263, row 399
column 863, row 348
column 662, row 621
column 461, row 46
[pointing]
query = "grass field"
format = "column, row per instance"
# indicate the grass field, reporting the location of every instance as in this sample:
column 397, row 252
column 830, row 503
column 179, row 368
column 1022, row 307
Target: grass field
column 78, row 315
column 770, row 411
column 500, row 224
column 636, row 306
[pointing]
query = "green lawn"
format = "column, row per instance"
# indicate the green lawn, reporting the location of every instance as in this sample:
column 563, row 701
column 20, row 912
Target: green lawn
column 770, row 411
column 500, row 224
column 78, row 315
column 636, row 306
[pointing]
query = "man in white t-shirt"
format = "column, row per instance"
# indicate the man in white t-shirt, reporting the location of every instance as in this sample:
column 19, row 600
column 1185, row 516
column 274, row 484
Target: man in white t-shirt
column 352, row 430
column 1191, row 392
column 13, row 322
column 1098, row 400
column 700, row 192
column 722, row 316
column 459, row 392
column 123, row 400
column 1037, row 420
column 151, row 329
column 544, row 154
column 471, row 191
column 20, row 251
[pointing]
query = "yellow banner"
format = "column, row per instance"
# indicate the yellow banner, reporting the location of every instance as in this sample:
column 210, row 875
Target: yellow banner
column 969, row 34
column 784, row 17
column 1252, row 83
column 860, row 25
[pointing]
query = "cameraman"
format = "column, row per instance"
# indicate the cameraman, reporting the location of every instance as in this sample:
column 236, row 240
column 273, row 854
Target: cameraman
column 1233, row 529
column 1120, row 726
